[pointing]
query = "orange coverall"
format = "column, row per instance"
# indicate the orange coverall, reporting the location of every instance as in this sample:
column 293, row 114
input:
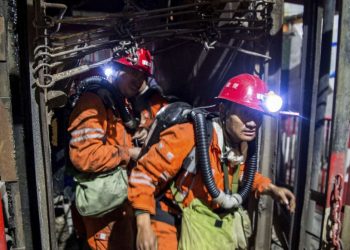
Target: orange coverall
column 99, row 142
column 161, row 163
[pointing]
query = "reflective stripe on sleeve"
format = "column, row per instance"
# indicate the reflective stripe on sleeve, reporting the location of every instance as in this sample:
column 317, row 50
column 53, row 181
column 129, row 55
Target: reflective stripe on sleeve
column 141, row 181
column 140, row 175
column 86, row 137
column 86, row 130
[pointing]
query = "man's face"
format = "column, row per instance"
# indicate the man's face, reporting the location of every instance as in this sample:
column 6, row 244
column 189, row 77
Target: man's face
column 242, row 123
column 130, row 81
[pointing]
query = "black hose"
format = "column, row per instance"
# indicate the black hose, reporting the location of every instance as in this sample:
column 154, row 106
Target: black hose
column 202, row 145
column 250, row 170
column 94, row 83
column 124, row 112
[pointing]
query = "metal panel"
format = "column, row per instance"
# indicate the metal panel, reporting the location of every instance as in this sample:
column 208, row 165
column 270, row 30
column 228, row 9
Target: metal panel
column 308, row 97
column 2, row 39
column 18, row 217
column 7, row 159
column 346, row 228
column 323, row 90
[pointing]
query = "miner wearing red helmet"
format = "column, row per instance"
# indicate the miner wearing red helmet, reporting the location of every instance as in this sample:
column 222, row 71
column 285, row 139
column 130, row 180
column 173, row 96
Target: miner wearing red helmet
column 164, row 186
column 102, row 142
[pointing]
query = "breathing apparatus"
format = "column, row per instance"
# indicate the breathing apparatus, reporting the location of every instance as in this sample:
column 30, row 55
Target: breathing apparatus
column 246, row 90
column 180, row 112
column 111, row 97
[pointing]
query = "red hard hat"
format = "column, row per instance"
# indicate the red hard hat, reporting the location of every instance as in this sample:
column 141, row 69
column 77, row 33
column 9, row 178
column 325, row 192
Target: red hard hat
column 142, row 61
column 245, row 89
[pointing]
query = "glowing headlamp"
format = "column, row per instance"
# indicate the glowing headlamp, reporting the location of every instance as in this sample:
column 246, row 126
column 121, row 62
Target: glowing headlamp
column 272, row 102
column 108, row 71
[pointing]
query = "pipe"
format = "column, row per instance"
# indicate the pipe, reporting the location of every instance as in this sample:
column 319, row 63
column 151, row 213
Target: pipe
column 202, row 146
column 249, row 173
column 63, row 8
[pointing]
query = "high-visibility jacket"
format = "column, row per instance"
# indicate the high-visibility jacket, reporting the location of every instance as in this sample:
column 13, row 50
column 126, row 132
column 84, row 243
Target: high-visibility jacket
column 162, row 163
column 99, row 141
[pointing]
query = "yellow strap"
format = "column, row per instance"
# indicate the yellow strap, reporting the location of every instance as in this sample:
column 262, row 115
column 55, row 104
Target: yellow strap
column 235, row 179
column 178, row 196
column 226, row 179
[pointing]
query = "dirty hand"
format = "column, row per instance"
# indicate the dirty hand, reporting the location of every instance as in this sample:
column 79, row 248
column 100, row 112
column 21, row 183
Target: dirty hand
column 283, row 196
column 146, row 238
column 134, row 153
column 141, row 135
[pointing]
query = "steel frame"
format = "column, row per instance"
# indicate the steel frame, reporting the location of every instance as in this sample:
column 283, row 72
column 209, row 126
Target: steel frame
column 339, row 136
column 308, row 98
column 322, row 94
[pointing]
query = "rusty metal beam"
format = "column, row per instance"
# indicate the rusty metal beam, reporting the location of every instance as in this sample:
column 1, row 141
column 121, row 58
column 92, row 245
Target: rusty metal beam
column 2, row 39
column 7, row 156
column 341, row 121
column 12, row 168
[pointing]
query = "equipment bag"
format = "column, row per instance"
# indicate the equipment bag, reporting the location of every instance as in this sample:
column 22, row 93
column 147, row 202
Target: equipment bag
column 99, row 194
column 202, row 229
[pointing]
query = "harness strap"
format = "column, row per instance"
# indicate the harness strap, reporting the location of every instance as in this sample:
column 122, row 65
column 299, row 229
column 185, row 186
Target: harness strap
column 166, row 217
column 235, row 179
column 225, row 168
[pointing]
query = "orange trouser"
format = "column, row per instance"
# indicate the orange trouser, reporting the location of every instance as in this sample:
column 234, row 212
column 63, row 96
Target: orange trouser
column 115, row 230
column 166, row 235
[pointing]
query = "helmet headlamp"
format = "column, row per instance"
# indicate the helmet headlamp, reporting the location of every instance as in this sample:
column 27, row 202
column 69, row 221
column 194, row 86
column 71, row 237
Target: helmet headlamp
column 272, row 102
column 108, row 71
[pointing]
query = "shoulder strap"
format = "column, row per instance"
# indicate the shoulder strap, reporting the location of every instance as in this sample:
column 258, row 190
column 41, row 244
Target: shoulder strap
column 235, row 179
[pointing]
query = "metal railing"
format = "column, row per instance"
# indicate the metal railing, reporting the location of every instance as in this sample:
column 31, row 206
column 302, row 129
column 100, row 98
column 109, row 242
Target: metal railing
column 205, row 22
